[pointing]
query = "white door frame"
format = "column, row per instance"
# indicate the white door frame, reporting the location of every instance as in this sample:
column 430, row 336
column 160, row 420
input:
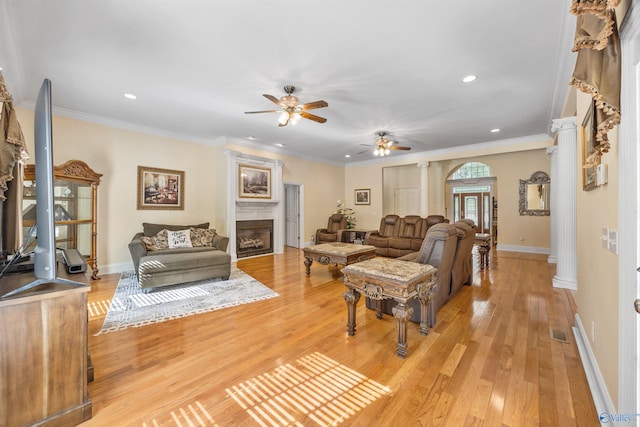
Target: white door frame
column 628, row 221
column 300, row 212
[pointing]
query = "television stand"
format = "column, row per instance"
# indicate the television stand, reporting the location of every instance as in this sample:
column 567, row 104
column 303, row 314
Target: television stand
column 43, row 331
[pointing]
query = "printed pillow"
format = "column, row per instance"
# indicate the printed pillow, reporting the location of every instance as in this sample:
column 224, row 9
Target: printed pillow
column 202, row 237
column 157, row 242
column 179, row 239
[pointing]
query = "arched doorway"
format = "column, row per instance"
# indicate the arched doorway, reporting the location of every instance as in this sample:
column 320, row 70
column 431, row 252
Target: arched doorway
column 472, row 196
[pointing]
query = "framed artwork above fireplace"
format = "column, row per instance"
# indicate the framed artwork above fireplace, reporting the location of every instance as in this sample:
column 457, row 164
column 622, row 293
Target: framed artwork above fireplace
column 254, row 182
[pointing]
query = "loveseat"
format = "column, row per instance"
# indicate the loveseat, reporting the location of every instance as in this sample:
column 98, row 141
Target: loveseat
column 448, row 248
column 398, row 236
column 164, row 254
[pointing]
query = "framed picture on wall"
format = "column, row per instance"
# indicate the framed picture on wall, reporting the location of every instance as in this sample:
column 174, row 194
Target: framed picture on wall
column 160, row 188
column 254, row 182
column 589, row 145
column 362, row 196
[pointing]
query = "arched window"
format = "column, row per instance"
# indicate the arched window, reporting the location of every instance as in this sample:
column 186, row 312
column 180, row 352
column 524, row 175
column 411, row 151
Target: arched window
column 472, row 170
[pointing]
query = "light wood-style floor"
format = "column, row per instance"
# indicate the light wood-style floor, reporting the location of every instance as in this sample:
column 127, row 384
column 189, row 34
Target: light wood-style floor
column 288, row 360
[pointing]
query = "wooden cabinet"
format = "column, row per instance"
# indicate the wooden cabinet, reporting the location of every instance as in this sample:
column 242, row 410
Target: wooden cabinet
column 43, row 353
column 75, row 190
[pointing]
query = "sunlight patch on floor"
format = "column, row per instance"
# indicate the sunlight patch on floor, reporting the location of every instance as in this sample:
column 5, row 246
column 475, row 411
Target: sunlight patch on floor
column 314, row 387
column 98, row 308
column 193, row 415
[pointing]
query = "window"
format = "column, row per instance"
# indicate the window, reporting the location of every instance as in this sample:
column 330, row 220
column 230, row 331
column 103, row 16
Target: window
column 472, row 170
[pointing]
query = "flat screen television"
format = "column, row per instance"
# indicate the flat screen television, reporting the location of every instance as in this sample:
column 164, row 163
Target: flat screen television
column 44, row 254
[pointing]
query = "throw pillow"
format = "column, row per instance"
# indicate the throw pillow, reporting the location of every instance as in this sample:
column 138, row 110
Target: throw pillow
column 179, row 239
column 202, row 236
column 157, row 242
column 151, row 229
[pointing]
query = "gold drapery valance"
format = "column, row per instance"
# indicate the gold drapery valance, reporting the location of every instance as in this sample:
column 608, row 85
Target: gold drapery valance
column 597, row 71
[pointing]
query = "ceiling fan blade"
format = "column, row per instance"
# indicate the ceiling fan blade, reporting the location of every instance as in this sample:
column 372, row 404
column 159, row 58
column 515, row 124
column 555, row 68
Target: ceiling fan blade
column 313, row 105
column 274, row 100
column 364, row 151
column 263, row 111
column 313, row 117
column 397, row 147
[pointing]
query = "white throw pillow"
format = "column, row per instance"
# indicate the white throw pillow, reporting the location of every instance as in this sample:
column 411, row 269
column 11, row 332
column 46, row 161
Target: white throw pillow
column 179, row 239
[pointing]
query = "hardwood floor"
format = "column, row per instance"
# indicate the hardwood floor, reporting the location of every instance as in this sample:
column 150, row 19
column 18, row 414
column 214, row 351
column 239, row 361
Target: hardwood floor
column 489, row 361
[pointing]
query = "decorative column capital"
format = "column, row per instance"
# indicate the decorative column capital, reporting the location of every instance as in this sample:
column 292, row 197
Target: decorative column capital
column 552, row 150
column 424, row 164
column 563, row 124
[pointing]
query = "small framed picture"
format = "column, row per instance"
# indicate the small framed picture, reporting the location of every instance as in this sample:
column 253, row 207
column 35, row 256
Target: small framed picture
column 363, row 196
column 255, row 182
column 160, row 188
column 589, row 146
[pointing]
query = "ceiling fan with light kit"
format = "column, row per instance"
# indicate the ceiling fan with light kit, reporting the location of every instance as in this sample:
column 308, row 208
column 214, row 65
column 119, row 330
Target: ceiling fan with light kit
column 291, row 111
column 383, row 145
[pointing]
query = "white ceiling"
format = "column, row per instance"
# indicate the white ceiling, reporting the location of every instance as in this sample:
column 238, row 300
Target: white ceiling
column 197, row 66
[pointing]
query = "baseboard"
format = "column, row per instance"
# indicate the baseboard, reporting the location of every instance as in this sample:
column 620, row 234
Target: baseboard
column 598, row 388
column 527, row 249
column 115, row 268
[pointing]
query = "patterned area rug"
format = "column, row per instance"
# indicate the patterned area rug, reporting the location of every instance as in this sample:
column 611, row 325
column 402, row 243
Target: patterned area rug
column 131, row 308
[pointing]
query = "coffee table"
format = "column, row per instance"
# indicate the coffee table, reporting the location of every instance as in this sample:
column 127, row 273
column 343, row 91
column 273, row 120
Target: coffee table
column 383, row 278
column 337, row 253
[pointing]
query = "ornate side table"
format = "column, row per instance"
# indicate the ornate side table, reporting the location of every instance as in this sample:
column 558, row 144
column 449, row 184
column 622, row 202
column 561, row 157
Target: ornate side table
column 336, row 253
column 483, row 241
column 383, row 278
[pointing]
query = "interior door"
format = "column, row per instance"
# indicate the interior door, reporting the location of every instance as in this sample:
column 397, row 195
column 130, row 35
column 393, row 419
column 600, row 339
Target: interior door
column 292, row 215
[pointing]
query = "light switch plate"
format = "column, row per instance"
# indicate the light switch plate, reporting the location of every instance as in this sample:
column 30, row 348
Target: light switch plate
column 613, row 241
column 605, row 237
column 602, row 172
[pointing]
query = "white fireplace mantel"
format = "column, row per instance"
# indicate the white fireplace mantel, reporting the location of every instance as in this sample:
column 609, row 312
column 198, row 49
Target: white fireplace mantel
column 239, row 209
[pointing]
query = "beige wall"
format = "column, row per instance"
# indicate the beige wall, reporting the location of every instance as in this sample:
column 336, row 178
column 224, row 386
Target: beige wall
column 514, row 230
column 508, row 167
column 116, row 154
column 323, row 186
column 597, row 295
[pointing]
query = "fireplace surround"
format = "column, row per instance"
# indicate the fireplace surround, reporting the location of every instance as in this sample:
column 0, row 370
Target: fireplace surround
column 242, row 209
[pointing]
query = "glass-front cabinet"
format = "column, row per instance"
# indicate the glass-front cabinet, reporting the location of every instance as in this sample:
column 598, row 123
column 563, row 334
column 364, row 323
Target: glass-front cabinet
column 75, row 190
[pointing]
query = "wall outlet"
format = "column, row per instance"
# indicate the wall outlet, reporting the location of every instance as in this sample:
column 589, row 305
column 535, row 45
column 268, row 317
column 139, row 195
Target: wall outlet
column 313, row 237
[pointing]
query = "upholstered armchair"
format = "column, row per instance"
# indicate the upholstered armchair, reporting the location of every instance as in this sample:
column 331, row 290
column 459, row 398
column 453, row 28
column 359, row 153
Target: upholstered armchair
column 333, row 232
column 462, row 272
column 438, row 250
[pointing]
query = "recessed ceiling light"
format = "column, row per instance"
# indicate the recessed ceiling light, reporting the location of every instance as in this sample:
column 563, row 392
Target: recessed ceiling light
column 469, row 78
column 347, row 155
column 251, row 137
column 278, row 144
column 495, row 130
column 130, row 96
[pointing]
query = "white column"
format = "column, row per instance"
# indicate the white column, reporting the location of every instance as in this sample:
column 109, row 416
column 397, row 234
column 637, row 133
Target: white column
column 553, row 152
column 566, row 269
column 424, row 188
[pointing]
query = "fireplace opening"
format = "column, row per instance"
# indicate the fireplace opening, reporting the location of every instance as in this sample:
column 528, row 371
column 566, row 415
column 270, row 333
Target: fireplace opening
column 254, row 237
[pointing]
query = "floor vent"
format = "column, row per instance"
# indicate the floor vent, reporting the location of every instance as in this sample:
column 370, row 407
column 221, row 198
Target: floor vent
column 559, row 335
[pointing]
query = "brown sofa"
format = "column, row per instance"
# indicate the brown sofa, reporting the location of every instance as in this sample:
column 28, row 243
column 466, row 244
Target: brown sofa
column 157, row 267
column 399, row 236
column 446, row 247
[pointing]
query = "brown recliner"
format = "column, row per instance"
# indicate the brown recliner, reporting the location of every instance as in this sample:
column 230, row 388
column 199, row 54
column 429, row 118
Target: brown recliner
column 337, row 223
column 462, row 272
column 438, row 250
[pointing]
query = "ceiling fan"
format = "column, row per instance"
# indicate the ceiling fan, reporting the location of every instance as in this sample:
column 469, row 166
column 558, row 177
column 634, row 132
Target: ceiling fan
column 383, row 145
column 291, row 111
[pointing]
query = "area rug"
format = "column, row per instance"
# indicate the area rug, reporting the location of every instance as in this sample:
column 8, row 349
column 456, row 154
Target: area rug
column 131, row 308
